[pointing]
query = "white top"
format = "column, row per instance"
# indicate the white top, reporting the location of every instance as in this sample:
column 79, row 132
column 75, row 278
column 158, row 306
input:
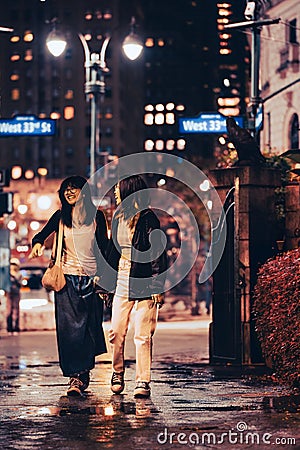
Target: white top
column 78, row 255
column 124, row 237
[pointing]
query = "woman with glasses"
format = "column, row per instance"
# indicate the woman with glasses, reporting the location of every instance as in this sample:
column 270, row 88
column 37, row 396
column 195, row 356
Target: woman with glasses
column 78, row 309
column 137, row 258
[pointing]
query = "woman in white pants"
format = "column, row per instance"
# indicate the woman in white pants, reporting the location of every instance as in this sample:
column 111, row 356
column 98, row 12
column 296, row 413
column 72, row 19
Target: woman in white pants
column 138, row 262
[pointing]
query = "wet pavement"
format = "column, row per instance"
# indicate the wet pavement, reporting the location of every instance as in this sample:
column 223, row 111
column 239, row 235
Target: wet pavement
column 193, row 405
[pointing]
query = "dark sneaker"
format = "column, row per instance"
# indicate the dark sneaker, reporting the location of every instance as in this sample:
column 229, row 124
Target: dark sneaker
column 75, row 389
column 85, row 379
column 142, row 389
column 117, row 382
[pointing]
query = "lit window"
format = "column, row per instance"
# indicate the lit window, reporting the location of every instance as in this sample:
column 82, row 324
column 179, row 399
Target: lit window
column 226, row 82
column 180, row 107
column 16, row 172
column 15, row 38
column 15, row 57
column 230, row 101
column 159, row 119
column 170, row 106
column 28, row 55
column 224, row 12
column 29, row 174
column 148, row 119
column 223, row 44
column 229, row 111
column 149, row 108
column 107, row 15
column 108, row 114
column 181, row 144
column 159, row 145
column 55, row 115
column 28, row 36
column 14, row 76
column 88, row 16
column 149, row 42
column 225, row 36
column 170, row 118
column 160, row 42
column 88, row 36
column 149, row 145
column 99, row 37
column 15, row 94
column 222, row 140
column 159, row 107
column 170, row 144
column 69, row 94
column 223, row 20
column 69, row 112
column 225, row 51
column 98, row 14
column 42, row 115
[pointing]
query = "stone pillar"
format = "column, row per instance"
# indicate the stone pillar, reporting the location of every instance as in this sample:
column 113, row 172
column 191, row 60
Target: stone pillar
column 292, row 216
column 255, row 235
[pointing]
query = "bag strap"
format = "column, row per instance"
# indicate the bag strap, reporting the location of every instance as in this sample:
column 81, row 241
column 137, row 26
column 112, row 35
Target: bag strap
column 59, row 244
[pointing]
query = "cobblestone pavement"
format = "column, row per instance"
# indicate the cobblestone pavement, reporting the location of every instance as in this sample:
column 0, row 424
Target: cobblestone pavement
column 193, row 405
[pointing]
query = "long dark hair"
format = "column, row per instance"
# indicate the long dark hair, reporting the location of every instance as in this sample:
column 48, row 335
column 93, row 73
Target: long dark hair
column 76, row 181
column 136, row 187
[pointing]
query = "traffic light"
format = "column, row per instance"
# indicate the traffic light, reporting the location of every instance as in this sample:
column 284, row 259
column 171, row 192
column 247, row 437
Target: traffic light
column 4, row 177
column 6, row 203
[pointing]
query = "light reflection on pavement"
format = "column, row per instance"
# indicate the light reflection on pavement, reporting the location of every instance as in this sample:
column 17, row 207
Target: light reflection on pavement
column 187, row 396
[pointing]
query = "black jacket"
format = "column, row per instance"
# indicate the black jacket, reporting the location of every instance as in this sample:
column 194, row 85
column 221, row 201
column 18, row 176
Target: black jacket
column 100, row 234
column 147, row 275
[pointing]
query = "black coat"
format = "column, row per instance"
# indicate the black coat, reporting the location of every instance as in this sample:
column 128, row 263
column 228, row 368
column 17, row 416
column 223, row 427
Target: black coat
column 146, row 277
column 100, row 234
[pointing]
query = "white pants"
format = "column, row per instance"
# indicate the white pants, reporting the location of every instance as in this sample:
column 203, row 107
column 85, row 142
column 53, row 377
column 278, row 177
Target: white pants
column 145, row 320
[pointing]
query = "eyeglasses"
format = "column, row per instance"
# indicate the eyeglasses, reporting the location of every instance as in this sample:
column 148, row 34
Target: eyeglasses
column 71, row 189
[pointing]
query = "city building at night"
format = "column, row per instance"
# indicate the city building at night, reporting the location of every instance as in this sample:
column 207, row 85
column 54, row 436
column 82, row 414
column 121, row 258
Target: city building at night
column 280, row 70
column 190, row 65
column 35, row 84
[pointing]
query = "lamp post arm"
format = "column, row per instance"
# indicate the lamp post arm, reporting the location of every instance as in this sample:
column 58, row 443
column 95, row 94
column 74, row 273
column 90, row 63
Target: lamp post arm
column 103, row 52
column 87, row 56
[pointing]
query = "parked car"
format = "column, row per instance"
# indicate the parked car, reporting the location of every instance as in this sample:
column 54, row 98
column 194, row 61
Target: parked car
column 36, row 304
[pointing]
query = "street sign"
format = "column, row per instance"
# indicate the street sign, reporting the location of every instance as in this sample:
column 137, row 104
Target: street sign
column 27, row 126
column 206, row 123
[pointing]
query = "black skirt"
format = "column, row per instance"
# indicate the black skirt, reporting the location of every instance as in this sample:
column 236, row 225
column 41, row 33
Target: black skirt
column 79, row 315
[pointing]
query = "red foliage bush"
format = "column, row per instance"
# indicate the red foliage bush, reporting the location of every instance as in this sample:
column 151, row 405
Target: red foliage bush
column 277, row 314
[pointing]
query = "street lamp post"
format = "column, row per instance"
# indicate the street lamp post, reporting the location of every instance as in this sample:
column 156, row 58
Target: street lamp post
column 251, row 14
column 95, row 71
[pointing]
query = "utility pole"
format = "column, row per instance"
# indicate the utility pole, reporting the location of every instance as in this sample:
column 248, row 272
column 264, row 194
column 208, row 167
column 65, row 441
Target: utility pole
column 253, row 22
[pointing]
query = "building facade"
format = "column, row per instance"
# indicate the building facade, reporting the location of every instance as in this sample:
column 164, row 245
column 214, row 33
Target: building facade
column 280, row 77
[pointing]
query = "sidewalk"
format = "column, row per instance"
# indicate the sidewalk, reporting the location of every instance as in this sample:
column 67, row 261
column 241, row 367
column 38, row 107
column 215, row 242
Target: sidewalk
column 192, row 405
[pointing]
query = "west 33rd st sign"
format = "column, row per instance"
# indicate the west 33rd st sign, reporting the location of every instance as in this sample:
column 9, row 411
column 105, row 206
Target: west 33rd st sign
column 27, row 126
column 206, row 123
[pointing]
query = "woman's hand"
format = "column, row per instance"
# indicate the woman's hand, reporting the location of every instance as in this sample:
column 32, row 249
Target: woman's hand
column 37, row 250
column 158, row 299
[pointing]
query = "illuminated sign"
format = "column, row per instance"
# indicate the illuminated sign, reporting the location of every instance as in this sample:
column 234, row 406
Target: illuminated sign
column 206, row 123
column 27, row 126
